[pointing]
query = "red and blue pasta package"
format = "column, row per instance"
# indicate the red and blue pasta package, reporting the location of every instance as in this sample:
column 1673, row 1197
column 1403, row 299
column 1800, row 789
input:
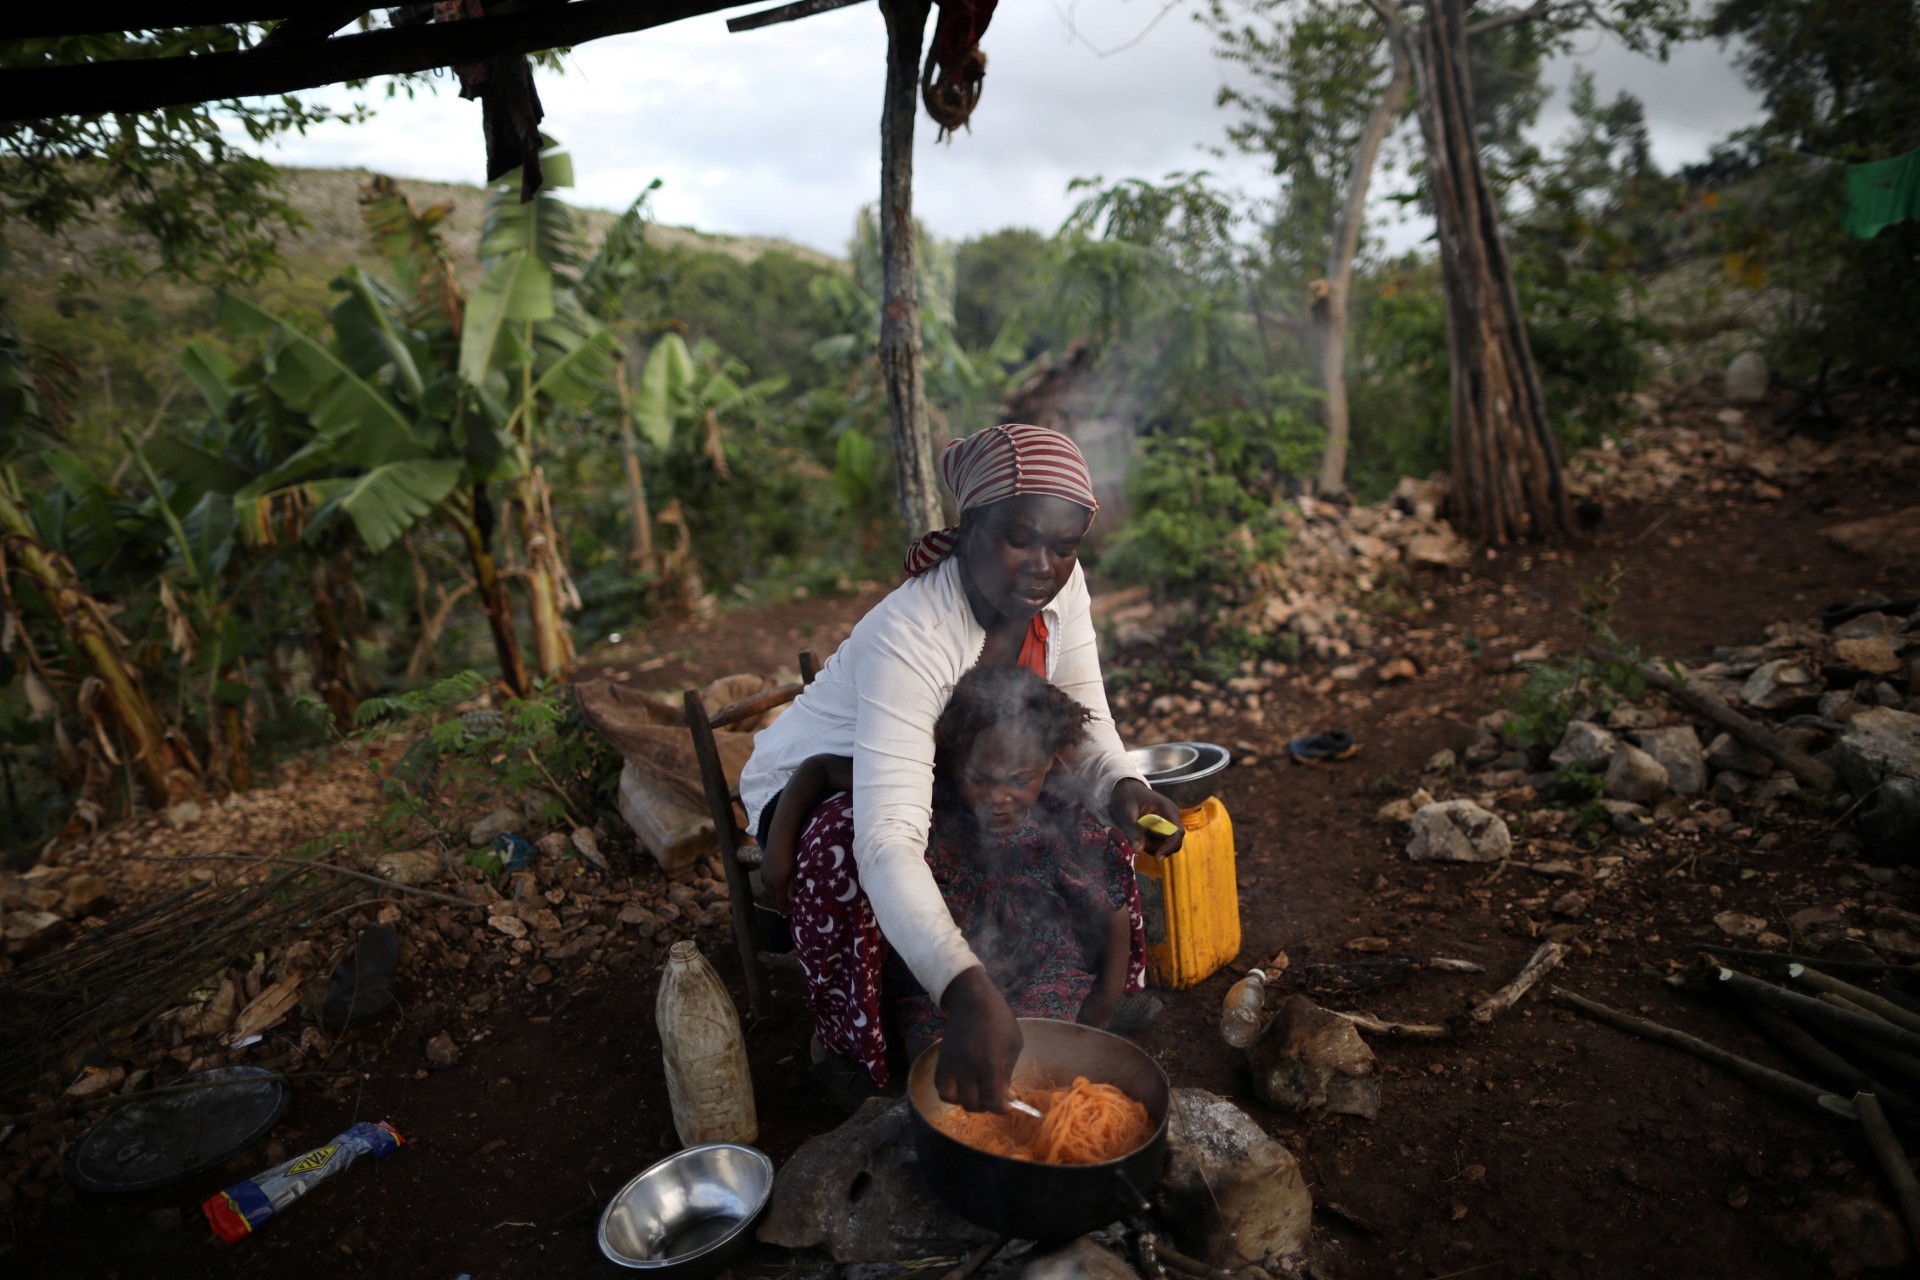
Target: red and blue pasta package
column 239, row 1210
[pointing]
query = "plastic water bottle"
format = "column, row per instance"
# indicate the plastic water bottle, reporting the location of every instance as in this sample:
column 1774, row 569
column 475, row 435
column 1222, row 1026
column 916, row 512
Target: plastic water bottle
column 1240, row 1011
column 704, row 1051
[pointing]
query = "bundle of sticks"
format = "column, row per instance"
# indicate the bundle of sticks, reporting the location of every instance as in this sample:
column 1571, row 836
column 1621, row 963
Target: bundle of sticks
column 126, row 973
column 1858, row 1049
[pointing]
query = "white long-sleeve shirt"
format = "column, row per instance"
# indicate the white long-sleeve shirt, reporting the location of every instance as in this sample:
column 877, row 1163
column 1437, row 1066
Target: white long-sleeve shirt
column 876, row 700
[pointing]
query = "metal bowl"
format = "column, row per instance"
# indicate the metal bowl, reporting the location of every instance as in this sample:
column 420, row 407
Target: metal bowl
column 1190, row 782
column 691, row 1214
column 1167, row 760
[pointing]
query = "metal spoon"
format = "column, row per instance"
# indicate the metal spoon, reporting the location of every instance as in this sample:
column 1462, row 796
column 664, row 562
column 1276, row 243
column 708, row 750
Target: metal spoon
column 1026, row 1109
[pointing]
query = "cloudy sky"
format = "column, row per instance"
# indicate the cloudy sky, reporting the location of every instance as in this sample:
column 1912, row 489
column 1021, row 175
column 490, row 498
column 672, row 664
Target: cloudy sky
column 776, row 132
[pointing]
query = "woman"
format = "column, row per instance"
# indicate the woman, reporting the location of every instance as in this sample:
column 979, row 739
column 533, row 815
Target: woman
column 1004, row 587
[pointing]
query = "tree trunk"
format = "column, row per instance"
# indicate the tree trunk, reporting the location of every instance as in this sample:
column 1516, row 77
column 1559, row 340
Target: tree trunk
column 233, row 733
column 1330, row 312
column 644, row 557
column 913, row 469
column 493, row 595
column 548, row 585
column 333, row 644
column 165, row 763
column 1507, row 484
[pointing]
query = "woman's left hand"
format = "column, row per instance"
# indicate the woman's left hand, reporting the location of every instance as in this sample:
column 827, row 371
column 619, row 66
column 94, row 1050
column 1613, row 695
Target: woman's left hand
column 1131, row 798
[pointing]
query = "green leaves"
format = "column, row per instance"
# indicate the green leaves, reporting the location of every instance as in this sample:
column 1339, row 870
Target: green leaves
column 664, row 392
column 357, row 420
column 388, row 500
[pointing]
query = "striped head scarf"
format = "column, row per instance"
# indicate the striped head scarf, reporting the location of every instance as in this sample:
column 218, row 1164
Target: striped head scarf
column 998, row 463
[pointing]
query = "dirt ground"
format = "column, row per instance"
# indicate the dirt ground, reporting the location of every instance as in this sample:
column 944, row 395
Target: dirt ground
column 1541, row 1145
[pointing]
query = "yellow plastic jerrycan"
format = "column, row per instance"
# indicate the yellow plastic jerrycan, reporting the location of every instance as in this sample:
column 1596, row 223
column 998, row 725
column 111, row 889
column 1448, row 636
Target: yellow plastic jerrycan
column 1191, row 901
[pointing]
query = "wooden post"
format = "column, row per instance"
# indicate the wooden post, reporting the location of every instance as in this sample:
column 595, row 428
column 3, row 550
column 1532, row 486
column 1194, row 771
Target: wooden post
column 1506, row 467
column 713, row 780
column 919, row 491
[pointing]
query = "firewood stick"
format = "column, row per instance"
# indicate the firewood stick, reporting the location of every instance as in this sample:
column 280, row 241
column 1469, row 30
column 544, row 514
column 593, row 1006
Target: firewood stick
column 1444, row 965
column 1829, row 1065
column 977, row 1259
column 1867, row 1000
column 1819, row 1012
column 1858, row 968
column 1898, row 1061
column 1401, row 1030
column 1888, row 1063
column 1815, row 774
column 1893, row 1161
column 1752, row 1072
column 1549, row 955
column 1150, row 1268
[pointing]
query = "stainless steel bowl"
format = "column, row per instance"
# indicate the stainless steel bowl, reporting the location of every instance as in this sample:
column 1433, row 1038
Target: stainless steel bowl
column 691, row 1214
column 1187, row 771
column 1164, row 761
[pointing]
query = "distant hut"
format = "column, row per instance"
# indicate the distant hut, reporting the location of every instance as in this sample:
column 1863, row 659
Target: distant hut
column 1099, row 408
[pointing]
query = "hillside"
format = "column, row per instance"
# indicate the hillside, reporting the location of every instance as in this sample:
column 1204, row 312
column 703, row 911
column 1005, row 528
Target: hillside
column 329, row 199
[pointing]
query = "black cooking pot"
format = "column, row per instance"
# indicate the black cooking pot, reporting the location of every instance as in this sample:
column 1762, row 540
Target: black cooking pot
column 1030, row 1201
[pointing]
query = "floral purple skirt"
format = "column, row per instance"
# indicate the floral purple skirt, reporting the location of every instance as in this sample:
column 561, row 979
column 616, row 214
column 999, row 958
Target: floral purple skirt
column 1043, row 887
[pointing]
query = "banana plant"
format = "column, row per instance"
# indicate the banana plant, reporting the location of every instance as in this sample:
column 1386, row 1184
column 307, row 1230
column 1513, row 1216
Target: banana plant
column 420, row 400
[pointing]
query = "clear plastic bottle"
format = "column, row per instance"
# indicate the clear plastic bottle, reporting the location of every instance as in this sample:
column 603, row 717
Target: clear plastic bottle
column 704, row 1051
column 1240, row 1011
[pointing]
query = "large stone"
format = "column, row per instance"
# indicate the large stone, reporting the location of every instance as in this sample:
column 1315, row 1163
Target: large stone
column 1890, row 821
column 1635, row 775
column 1438, row 551
column 1232, row 1195
column 671, row 827
column 1874, row 655
column 1728, row 752
column 1458, row 831
column 1677, row 747
column 498, row 823
column 1081, row 1260
column 1780, row 685
column 1585, row 745
column 1867, row 626
column 858, row 1193
column 1310, row 1060
column 1746, row 381
column 1879, row 743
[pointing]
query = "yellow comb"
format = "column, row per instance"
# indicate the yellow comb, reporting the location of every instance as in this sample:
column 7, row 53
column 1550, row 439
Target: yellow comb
column 1156, row 824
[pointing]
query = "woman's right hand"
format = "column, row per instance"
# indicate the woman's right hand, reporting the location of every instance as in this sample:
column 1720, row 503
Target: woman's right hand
column 982, row 1042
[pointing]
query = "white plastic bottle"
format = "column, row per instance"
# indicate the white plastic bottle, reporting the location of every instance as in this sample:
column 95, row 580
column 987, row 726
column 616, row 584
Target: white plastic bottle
column 704, row 1051
column 1240, row 1011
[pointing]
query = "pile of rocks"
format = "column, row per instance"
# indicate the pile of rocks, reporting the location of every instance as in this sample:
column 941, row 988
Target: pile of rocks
column 1846, row 693
column 1338, row 555
column 1690, row 443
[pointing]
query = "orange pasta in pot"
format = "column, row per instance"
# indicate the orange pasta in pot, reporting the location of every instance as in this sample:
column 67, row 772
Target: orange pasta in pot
column 1085, row 1123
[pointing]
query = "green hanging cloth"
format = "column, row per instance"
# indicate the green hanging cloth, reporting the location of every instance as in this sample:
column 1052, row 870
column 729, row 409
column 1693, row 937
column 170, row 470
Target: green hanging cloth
column 1881, row 193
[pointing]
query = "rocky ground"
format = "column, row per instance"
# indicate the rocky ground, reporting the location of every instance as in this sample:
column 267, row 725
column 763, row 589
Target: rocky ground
column 522, row 1065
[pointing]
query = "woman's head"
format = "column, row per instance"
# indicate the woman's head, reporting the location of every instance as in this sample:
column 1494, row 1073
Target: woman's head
column 998, row 738
column 1026, row 500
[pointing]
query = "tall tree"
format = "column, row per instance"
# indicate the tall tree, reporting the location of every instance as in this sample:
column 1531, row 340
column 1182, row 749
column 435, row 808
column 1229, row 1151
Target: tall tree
column 1328, row 82
column 918, row 486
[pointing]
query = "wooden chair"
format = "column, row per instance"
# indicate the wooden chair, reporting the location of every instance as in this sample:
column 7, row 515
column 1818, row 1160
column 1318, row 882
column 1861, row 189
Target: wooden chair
column 721, row 796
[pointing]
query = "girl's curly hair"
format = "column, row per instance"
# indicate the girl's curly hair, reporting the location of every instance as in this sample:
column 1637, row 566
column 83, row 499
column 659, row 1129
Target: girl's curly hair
column 988, row 696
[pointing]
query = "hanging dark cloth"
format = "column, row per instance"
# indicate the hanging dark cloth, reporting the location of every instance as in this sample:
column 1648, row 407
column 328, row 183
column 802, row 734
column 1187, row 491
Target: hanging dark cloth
column 510, row 110
column 956, row 65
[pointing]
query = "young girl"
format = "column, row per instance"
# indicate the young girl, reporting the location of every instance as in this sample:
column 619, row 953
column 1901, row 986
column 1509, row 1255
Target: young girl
column 1042, row 892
